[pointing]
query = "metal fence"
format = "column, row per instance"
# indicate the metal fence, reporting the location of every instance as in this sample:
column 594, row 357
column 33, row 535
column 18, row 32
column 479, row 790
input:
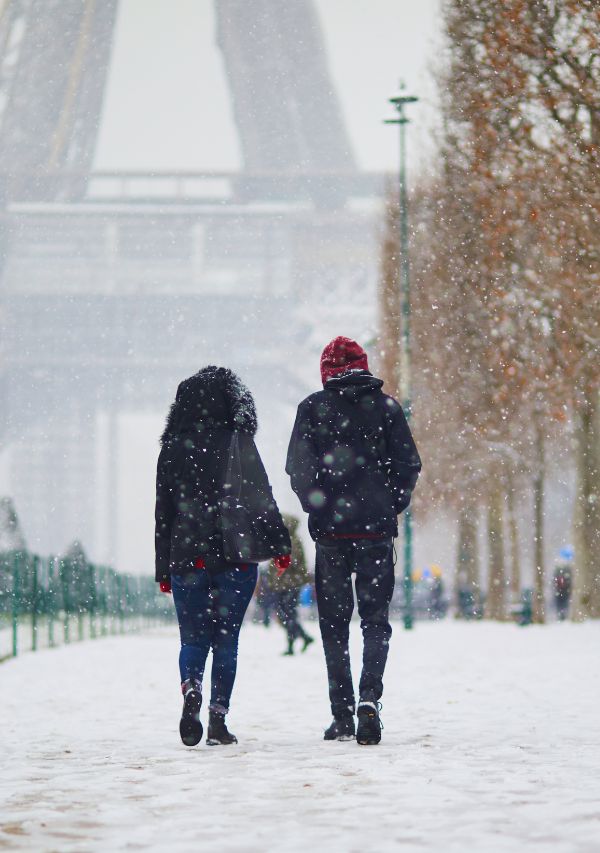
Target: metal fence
column 47, row 601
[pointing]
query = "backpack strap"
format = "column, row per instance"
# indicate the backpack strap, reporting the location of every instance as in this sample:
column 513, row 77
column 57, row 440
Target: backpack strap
column 232, row 486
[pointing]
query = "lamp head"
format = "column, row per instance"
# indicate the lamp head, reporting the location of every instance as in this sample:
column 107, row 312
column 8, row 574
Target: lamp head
column 400, row 100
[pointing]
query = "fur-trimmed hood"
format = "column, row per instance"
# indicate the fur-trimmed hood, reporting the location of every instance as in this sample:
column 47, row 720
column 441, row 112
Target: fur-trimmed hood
column 213, row 398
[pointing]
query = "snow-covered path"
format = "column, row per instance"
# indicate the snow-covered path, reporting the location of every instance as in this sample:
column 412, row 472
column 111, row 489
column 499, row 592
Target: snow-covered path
column 491, row 743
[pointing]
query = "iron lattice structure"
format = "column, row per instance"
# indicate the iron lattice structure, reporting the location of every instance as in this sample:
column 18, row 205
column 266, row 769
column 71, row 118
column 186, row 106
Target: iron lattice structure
column 54, row 58
column 286, row 110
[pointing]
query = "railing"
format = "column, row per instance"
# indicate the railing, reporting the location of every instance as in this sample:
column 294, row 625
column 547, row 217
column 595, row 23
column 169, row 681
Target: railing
column 48, row 601
column 183, row 187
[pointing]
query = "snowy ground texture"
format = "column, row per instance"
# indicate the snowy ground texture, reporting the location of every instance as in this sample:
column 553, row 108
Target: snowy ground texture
column 491, row 743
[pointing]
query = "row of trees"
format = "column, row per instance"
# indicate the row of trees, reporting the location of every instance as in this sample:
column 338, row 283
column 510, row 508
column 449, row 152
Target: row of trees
column 506, row 272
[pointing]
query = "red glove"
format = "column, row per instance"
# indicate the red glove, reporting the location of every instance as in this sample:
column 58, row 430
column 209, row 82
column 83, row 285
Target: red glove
column 282, row 564
column 165, row 586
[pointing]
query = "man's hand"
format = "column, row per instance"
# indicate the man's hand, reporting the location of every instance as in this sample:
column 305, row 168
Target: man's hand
column 282, row 564
column 165, row 586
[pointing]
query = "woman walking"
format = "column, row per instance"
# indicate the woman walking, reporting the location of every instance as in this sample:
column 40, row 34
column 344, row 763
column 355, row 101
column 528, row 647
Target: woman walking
column 215, row 519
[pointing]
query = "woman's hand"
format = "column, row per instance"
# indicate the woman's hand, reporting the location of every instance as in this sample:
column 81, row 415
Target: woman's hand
column 282, row 564
column 165, row 586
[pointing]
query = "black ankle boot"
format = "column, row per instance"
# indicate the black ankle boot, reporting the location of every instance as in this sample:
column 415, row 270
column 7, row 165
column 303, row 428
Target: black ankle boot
column 218, row 734
column 190, row 727
column 342, row 728
column 369, row 728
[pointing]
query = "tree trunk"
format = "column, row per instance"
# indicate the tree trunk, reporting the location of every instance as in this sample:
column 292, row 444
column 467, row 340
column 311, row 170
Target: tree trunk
column 539, row 600
column 586, row 595
column 513, row 531
column 389, row 303
column 467, row 563
column 495, row 604
column 578, row 594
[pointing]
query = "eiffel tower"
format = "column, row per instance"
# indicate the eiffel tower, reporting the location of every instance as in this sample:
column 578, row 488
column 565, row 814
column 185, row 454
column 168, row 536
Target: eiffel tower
column 105, row 286
column 54, row 59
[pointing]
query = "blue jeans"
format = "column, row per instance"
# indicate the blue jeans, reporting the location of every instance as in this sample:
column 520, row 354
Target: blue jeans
column 373, row 563
column 210, row 611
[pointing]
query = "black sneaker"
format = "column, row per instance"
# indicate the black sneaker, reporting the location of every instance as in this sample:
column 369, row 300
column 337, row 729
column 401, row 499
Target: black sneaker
column 190, row 727
column 342, row 728
column 369, row 728
column 218, row 734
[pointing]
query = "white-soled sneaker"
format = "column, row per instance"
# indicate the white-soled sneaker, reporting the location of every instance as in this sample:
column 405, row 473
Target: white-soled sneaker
column 342, row 728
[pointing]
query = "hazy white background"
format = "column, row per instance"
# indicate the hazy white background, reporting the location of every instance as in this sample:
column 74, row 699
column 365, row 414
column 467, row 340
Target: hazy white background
column 167, row 104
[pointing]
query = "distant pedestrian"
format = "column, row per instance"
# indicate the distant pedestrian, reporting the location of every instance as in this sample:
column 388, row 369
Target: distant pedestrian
column 562, row 582
column 212, row 492
column 353, row 464
column 287, row 586
column 438, row 604
column 265, row 598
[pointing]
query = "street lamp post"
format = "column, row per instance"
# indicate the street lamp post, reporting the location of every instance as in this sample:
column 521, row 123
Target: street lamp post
column 399, row 102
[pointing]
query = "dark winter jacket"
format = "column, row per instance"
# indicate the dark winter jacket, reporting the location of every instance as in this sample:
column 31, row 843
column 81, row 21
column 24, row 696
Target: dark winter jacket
column 352, row 459
column 191, row 472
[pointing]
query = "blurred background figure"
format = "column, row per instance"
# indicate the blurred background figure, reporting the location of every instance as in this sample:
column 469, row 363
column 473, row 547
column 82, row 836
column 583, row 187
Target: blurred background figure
column 438, row 602
column 265, row 598
column 562, row 582
column 469, row 602
column 308, row 599
column 287, row 587
column 429, row 596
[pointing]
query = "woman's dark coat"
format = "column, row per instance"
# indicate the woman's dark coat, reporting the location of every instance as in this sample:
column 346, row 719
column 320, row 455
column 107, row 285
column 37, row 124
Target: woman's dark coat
column 352, row 460
column 191, row 471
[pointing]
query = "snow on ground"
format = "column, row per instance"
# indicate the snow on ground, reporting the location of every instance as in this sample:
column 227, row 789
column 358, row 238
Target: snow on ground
column 491, row 743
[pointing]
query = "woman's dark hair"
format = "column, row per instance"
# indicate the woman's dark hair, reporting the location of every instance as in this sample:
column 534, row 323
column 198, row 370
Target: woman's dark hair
column 213, row 398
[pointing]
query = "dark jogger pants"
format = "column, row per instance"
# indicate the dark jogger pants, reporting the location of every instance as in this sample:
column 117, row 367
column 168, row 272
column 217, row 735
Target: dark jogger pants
column 373, row 562
column 287, row 611
column 210, row 611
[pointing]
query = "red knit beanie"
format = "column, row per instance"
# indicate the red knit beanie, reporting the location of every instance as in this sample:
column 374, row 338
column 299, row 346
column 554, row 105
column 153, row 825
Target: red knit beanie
column 342, row 354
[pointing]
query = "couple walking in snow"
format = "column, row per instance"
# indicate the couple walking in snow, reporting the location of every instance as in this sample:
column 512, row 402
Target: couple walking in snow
column 352, row 463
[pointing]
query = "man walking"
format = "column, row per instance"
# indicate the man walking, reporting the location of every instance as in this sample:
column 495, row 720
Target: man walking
column 353, row 463
column 286, row 587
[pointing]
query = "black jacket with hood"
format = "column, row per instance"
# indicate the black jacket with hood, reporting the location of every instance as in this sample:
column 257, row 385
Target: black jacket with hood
column 191, row 471
column 352, row 459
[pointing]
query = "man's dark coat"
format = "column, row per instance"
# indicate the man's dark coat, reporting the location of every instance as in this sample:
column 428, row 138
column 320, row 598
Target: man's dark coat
column 352, row 459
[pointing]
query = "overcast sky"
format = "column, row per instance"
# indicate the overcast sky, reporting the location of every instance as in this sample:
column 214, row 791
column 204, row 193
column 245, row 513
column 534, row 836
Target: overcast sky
column 167, row 104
